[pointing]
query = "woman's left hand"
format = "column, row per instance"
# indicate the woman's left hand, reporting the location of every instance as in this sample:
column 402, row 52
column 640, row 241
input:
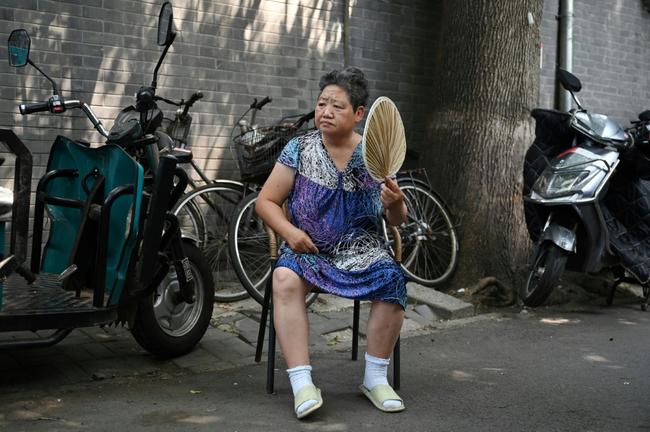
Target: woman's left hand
column 391, row 195
column 392, row 198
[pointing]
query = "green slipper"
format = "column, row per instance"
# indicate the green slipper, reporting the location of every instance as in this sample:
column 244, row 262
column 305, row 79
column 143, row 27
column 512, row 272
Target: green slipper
column 308, row 392
column 380, row 394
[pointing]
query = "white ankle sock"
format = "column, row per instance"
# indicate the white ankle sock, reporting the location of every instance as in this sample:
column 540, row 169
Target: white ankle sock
column 376, row 371
column 300, row 376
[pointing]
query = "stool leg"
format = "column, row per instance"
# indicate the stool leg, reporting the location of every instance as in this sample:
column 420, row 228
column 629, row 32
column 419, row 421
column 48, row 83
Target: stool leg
column 270, row 368
column 355, row 330
column 396, row 366
column 263, row 318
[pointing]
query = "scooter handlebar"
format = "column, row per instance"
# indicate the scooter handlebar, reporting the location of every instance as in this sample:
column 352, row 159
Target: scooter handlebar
column 34, row 107
column 263, row 102
column 196, row 96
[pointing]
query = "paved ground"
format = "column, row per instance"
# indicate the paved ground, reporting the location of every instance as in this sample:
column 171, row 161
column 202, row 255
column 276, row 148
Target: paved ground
column 95, row 354
column 556, row 369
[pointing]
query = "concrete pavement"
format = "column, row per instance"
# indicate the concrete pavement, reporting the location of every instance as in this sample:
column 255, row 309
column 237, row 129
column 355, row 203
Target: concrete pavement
column 555, row 369
column 96, row 354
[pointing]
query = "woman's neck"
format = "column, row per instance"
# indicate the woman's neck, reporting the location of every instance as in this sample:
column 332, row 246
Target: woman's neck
column 349, row 140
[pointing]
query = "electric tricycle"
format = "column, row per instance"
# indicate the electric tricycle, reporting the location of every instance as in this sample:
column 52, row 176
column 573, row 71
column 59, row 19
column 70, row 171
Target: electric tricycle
column 114, row 252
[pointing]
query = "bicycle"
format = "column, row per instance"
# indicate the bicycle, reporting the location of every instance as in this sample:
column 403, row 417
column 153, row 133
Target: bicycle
column 205, row 212
column 429, row 238
column 216, row 195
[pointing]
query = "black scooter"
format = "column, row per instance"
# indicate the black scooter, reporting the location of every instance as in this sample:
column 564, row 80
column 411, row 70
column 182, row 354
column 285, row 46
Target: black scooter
column 578, row 175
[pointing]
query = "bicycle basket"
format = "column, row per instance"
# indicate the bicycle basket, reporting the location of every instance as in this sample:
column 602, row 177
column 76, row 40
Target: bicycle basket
column 179, row 128
column 257, row 150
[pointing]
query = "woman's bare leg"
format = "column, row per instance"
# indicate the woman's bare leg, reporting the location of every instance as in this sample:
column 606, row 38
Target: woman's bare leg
column 292, row 329
column 384, row 325
column 290, row 316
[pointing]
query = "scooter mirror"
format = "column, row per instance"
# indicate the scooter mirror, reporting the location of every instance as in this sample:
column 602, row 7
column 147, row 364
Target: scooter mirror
column 569, row 81
column 165, row 23
column 19, row 43
column 645, row 116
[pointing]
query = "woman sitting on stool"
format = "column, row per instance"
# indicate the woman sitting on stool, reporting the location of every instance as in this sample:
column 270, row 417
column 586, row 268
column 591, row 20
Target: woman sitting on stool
column 333, row 238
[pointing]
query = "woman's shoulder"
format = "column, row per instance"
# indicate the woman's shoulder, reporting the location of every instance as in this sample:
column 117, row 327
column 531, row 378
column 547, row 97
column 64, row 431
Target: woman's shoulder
column 310, row 138
column 306, row 140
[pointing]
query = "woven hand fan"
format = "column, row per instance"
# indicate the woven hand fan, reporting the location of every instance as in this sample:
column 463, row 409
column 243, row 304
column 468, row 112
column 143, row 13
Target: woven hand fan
column 384, row 143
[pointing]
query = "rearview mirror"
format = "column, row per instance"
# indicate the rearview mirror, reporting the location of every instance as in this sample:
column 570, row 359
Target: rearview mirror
column 645, row 116
column 569, row 81
column 165, row 23
column 18, row 44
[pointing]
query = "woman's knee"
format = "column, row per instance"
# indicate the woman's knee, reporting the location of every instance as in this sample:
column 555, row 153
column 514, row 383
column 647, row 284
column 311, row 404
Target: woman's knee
column 385, row 314
column 287, row 283
column 385, row 307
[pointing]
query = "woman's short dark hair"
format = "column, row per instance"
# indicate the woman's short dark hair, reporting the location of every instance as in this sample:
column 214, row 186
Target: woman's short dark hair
column 351, row 80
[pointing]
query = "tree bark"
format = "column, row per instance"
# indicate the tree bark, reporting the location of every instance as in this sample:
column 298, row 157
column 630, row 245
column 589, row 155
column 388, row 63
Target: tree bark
column 486, row 83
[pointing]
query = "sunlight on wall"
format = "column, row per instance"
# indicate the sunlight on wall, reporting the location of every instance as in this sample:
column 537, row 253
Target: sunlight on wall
column 619, row 5
column 315, row 21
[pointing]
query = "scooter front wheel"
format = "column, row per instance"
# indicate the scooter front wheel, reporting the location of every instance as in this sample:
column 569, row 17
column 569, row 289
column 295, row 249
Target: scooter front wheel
column 545, row 272
column 167, row 327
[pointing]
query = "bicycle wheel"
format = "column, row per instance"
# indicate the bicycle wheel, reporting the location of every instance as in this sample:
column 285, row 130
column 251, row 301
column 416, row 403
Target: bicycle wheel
column 204, row 214
column 429, row 240
column 249, row 249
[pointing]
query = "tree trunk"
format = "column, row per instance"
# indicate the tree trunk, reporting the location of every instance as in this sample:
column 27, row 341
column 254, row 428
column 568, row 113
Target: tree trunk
column 486, row 83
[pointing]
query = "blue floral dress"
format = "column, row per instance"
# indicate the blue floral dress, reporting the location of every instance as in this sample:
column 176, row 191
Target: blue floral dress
column 341, row 212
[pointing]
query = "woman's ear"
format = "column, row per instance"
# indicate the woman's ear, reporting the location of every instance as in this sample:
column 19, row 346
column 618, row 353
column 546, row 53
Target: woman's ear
column 358, row 115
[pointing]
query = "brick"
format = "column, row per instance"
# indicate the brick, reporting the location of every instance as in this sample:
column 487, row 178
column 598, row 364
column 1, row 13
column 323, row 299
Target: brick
column 81, row 49
column 443, row 305
column 248, row 329
column 212, row 366
column 58, row 7
column 71, row 371
column 6, row 14
column 97, row 350
column 95, row 3
column 196, row 357
column 412, row 315
column 96, row 38
column 23, row 4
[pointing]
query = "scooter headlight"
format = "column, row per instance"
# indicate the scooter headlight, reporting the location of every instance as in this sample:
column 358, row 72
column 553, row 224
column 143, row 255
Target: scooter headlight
column 562, row 183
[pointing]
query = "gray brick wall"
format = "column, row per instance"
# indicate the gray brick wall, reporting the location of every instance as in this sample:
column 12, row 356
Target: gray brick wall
column 101, row 51
column 611, row 45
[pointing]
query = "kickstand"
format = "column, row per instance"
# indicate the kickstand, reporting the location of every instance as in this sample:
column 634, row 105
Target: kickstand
column 612, row 291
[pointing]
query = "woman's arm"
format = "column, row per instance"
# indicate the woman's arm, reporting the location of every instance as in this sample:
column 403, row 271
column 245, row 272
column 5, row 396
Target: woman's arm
column 393, row 200
column 274, row 193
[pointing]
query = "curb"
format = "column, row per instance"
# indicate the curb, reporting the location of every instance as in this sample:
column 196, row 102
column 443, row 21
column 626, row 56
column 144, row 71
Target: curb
column 443, row 305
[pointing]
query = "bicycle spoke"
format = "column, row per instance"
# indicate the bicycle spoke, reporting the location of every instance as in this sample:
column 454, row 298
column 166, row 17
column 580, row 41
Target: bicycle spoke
column 429, row 242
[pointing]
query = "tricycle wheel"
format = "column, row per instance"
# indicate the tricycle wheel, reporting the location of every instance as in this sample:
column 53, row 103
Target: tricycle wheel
column 545, row 272
column 165, row 325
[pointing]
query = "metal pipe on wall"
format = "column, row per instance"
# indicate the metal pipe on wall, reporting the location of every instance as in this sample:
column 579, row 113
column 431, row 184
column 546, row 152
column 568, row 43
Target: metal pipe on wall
column 564, row 51
column 346, row 33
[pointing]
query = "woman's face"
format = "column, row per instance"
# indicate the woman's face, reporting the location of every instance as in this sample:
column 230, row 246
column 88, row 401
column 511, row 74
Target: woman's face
column 335, row 114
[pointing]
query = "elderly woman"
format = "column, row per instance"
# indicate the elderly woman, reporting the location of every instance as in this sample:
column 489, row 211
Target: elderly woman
column 332, row 239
